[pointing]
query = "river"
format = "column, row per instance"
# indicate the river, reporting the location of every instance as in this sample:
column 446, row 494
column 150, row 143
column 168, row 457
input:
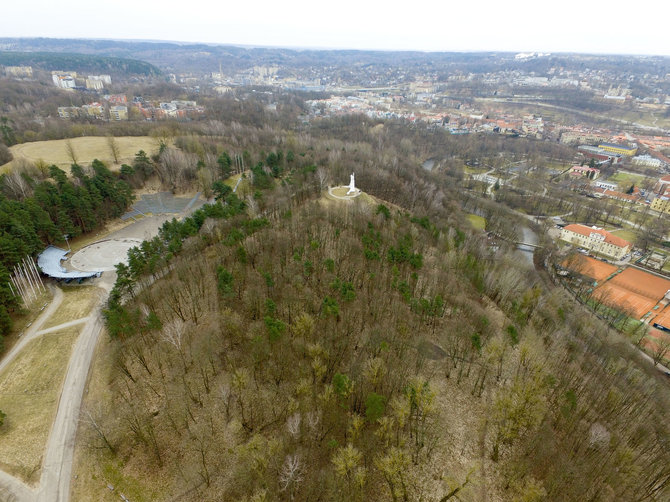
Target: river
column 526, row 252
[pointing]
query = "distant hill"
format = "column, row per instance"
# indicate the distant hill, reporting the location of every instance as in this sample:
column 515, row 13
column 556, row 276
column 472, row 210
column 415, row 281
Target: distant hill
column 78, row 62
column 178, row 57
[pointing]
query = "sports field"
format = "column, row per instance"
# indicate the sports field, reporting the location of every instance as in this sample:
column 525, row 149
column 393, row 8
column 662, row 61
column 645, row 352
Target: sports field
column 634, row 291
column 590, row 267
column 662, row 319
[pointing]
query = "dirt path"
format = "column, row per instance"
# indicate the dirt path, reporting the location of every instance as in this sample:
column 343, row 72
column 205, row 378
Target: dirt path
column 34, row 329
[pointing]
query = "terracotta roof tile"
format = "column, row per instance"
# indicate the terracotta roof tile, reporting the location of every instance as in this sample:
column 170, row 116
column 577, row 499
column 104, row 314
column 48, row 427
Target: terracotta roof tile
column 587, row 231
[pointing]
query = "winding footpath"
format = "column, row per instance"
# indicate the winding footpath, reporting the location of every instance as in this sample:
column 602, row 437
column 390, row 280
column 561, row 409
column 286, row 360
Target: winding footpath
column 59, row 453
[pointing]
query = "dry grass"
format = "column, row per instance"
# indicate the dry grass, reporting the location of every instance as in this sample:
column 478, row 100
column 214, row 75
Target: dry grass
column 94, row 468
column 27, row 316
column 29, row 392
column 78, row 301
column 340, row 191
column 86, row 149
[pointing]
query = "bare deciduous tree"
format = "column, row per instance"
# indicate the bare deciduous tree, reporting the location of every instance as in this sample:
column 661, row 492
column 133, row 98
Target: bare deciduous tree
column 114, row 148
column 70, row 151
column 323, row 177
column 291, row 474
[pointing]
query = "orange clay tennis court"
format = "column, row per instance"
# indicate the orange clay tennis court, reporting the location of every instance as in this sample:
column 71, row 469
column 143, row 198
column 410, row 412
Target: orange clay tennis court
column 662, row 319
column 633, row 290
column 590, row 267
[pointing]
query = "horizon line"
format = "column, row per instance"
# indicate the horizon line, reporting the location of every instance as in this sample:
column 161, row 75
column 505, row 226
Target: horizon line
column 541, row 53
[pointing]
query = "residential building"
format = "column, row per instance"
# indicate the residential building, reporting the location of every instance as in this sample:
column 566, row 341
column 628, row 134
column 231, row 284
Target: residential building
column 118, row 112
column 661, row 204
column 597, row 240
column 606, row 185
column 93, row 110
column 94, row 84
column 648, row 161
column 64, row 80
column 663, row 186
column 117, row 99
column 633, row 198
column 19, row 71
column 105, row 79
column 628, row 151
column 68, row 112
column 588, row 172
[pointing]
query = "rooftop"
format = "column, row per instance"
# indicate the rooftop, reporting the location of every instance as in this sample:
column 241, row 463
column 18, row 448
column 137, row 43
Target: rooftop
column 49, row 262
column 587, row 231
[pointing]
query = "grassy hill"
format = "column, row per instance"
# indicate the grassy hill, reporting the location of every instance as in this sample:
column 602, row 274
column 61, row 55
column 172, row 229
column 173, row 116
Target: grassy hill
column 86, row 148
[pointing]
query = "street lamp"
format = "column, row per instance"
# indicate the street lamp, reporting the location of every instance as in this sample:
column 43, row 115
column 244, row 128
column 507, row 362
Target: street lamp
column 67, row 242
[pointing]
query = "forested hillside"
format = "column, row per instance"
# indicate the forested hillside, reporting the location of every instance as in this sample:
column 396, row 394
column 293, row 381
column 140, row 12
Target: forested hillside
column 78, row 62
column 331, row 351
column 39, row 207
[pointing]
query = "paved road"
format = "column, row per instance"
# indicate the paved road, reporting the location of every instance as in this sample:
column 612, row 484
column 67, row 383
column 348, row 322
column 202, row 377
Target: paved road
column 57, row 465
column 58, row 459
column 13, row 490
column 11, row 485
column 65, row 325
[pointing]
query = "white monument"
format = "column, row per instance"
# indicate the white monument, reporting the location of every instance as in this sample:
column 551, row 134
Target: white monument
column 352, row 185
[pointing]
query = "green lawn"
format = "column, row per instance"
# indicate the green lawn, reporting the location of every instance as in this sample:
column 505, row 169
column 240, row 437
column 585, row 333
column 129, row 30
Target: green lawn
column 477, row 222
column 625, row 180
column 627, row 234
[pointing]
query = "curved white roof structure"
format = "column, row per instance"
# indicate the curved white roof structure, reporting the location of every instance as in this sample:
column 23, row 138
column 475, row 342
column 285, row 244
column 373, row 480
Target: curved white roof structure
column 49, row 262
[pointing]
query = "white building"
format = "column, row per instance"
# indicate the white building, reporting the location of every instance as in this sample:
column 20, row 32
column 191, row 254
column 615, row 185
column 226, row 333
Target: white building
column 606, row 185
column 597, row 240
column 105, row 79
column 64, row 80
column 94, row 84
column 118, row 112
column 647, row 160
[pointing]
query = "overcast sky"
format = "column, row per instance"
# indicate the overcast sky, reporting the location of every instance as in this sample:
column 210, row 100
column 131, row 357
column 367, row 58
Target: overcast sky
column 639, row 27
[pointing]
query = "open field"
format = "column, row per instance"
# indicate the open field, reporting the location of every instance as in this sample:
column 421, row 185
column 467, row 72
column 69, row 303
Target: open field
column 29, row 393
column 625, row 180
column 477, row 222
column 86, row 148
column 77, row 303
column 23, row 318
column 627, row 234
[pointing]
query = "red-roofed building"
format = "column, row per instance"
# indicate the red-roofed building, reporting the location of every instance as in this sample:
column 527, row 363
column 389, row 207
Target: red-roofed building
column 597, row 240
column 586, row 171
column 663, row 186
